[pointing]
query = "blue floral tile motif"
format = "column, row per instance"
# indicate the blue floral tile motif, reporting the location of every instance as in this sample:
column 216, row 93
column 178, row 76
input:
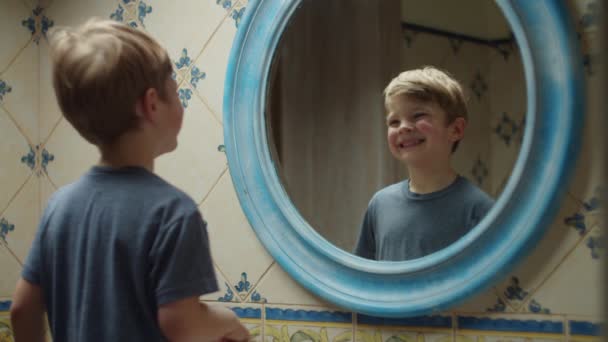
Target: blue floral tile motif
column 29, row 159
column 237, row 15
column 535, row 307
column 195, row 73
column 590, row 16
column 228, row 296
column 408, row 37
column 38, row 24
column 506, row 129
column 455, row 44
column 5, row 228
column 38, row 160
column 479, row 86
column 226, row 4
column 514, row 291
column 131, row 12
column 597, row 245
column 498, row 307
column 221, row 148
column 4, row 89
column 577, row 220
column 185, row 95
column 5, row 305
column 242, row 287
column 479, row 171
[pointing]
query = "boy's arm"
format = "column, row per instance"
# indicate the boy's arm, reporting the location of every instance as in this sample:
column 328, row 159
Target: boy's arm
column 189, row 320
column 27, row 312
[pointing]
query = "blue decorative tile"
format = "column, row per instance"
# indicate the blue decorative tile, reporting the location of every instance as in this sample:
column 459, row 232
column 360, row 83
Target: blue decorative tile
column 5, row 305
column 38, row 24
column 577, row 220
column 5, row 228
column 308, row 315
column 597, row 245
column 514, row 291
column 531, row 326
column 585, row 328
column 256, row 297
column 226, row 4
column 38, row 160
column 420, row 321
column 535, row 307
column 498, row 307
column 479, row 85
column 131, row 12
column 506, row 128
column 247, row 312
column 4, row 89
column 590, row 17
column 479, row 171
column 185, row 95
column 237, row 15
column 228, row 296
column 244, row 285
column 221, row 148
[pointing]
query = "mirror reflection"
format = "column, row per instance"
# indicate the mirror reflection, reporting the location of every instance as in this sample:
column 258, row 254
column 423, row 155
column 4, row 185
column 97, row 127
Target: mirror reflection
column 395, row 124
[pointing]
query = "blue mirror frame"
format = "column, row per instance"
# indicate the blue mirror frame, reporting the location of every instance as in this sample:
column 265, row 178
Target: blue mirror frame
column 554, row 120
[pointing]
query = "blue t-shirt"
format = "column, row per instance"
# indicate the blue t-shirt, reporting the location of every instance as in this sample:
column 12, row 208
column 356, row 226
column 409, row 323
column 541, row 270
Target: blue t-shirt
column 113, row 247
column 401, row 225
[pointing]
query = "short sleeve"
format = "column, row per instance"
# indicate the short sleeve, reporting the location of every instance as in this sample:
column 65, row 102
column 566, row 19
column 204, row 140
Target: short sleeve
column 181, row 260
column 366, row 243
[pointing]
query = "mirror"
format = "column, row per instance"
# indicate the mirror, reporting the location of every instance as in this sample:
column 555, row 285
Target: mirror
column 327, row 120
column 527, row 204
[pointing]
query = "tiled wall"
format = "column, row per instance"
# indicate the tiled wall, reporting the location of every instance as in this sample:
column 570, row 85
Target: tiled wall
column 553, row 296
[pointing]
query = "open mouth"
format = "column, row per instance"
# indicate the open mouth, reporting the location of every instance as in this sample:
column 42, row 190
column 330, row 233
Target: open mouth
column 410, row 143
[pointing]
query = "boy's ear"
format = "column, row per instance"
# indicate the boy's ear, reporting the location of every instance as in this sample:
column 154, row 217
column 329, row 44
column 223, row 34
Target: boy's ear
column 457, row 129
column 147, row 106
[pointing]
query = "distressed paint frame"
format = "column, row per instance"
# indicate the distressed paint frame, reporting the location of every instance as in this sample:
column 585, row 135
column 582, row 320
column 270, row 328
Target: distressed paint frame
column 530, row 200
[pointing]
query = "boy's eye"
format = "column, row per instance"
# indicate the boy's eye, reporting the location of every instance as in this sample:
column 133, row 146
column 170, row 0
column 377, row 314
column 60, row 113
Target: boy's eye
column 393, row 123
column 419, row 115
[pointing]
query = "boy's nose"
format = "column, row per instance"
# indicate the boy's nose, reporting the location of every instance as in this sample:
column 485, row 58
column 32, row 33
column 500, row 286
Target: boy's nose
column 406, row 127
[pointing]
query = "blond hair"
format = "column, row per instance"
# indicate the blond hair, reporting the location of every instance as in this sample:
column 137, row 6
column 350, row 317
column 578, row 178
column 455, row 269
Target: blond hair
column 430, row 84
column 100, row 70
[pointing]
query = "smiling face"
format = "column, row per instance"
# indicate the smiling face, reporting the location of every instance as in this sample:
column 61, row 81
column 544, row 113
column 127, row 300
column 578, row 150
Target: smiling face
column 418, row 132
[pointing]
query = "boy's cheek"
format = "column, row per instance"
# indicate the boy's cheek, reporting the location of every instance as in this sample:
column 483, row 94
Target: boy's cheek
column 424, row 126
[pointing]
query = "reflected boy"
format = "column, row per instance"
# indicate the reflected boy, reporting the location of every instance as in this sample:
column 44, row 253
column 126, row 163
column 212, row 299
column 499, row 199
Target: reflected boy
column 434, row 207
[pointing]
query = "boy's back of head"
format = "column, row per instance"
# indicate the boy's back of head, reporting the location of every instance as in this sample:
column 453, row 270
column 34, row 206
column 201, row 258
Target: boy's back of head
column 100, row 70
column 429, row 84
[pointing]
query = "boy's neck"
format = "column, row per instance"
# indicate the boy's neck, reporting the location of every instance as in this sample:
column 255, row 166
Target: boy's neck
column 128, row 151
column 425, row 180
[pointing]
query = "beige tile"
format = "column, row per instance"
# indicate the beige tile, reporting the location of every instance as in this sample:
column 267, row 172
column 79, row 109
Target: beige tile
column 11, row 271
column 575, row 288
column 13, row 35
column 487, row 301
column 72, row 12
column 50, row 114
column 196, row 164
column 73, row 155
column 23, row 212
column 279, row 288
column 534, row 269
column 14, row 147
column 214, row 61
column 229, row 232
column 184, row 24
column 22, row 102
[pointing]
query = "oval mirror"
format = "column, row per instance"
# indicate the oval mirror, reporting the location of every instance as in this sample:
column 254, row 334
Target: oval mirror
column 266, row 63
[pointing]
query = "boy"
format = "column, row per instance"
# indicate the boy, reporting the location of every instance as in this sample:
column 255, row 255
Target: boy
column 426, row 118
column 120, row 255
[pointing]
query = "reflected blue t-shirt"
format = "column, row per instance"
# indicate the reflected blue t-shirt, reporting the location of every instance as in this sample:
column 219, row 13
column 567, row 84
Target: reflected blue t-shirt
column 113, row 247
column 401, row 225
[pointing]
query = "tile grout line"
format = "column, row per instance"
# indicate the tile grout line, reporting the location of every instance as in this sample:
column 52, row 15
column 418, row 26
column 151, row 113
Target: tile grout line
column 232, row 288
column 12, row 253
column 205, row 102
column 16, row 194
column 559, row 264
column 19, row 128
column 254, row 287
column 213, row 186
column 19, row 52
column 48, row 137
